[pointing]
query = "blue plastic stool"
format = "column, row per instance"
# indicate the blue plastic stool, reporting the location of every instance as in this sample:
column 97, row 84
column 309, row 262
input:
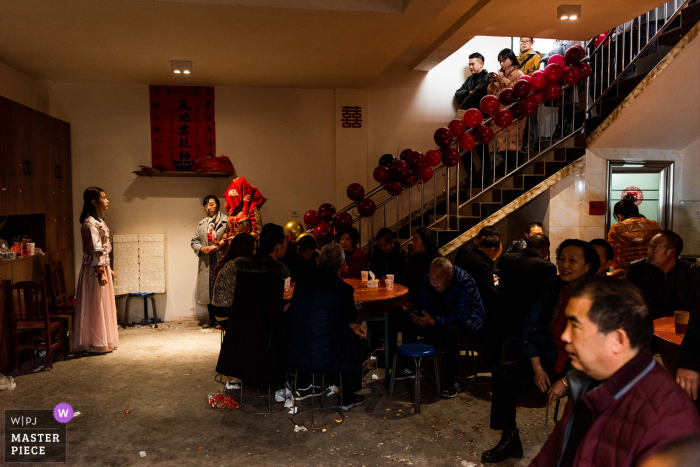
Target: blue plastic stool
column 417, row 352
column 146, row 296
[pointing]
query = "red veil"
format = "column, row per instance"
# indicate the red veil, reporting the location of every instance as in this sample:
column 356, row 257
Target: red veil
column 239, row 189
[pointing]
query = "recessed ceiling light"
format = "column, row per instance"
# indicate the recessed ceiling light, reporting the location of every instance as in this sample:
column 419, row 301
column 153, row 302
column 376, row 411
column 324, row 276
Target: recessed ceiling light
column 570, row 12
column 181, row 66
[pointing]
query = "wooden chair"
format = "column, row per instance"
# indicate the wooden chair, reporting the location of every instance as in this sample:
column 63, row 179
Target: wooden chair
column 30, row 315
column 61, row 306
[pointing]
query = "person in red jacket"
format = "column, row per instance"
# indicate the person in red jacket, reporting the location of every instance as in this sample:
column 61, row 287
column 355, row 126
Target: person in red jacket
column 623, row 406
column 356, row 260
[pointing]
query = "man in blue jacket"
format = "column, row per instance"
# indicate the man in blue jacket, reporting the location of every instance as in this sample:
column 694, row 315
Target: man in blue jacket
column 448, row 307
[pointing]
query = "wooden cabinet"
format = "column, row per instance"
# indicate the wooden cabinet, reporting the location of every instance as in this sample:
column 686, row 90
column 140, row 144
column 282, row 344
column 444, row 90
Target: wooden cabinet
column 4, row 159
column 5, row 335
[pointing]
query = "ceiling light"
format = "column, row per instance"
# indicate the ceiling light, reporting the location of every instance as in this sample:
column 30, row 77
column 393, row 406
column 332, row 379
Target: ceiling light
column 181, row 66
column 570, row 12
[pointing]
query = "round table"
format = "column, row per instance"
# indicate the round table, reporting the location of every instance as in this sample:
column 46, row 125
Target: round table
column 373, row 305
column 669, row 342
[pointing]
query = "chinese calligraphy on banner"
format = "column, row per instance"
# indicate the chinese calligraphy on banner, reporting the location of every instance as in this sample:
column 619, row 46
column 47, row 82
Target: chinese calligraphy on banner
column 182, row 124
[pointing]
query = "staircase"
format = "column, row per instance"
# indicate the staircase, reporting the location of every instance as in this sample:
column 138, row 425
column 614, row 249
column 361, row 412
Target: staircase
column 458, row 212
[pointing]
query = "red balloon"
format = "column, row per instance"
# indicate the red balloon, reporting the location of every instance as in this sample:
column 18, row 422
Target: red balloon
column 457, row 127
column 405, row 153
column 394, row 187
column 355, row 192
column 416, row 160
column 553, row 72
column 381, row 174
column 539, row 97
column 324, row 233
column 585, row 70
column 489, row 104
column 503, row 118
column 398, row 170
column 552, row 91
column 556, row 60
column 528, row 107
column 537, row 80
column 410, row 181
column 443, row 137
column 312, row 219
column 599, row 40
column 343, row 221
column 521, row 88
column 507, row 96
column 515, row 110
column 484, row 134
column 425, row 174
column 467, row 142
column 524, row 78
column 570, row 75
column 366, row 207
column 433, row 157
column 450, row 157
column 575, row 54
column 473, row 118
column 326, row 211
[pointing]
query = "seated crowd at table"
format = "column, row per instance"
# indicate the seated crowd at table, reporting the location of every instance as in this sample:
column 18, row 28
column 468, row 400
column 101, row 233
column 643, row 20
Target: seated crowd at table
column 584, row 334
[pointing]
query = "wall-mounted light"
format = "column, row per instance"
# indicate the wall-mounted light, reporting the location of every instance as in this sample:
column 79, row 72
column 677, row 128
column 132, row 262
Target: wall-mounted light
column 570, row 12
column 181, row 66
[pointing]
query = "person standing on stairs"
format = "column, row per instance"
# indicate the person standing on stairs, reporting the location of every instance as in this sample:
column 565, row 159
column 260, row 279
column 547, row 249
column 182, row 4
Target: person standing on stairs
column 529, row 60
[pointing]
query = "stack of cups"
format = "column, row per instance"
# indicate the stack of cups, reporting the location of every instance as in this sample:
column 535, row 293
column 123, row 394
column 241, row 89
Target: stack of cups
column 30, row 249
column 389, row 282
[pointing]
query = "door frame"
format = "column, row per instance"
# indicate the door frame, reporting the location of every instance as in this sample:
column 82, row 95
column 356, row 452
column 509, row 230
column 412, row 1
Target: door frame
column 665, row 169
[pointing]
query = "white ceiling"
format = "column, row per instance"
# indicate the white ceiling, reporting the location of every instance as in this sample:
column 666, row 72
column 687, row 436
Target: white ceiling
column 665, row 115
column 270, row 43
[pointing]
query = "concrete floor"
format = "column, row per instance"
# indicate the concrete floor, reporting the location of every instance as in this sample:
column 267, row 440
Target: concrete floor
column 164, row 377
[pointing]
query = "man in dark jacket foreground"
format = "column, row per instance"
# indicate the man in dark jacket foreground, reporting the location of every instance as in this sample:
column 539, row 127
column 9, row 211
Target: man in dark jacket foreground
column 622, row 406
column 473, row 244
column 479, row 265
column 301, row 258
column 387, row 256
column 670, row 284
column 323, row 336
column 449, row 306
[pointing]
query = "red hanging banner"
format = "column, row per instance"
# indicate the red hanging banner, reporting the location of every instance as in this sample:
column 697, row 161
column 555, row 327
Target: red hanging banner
column 182, row 125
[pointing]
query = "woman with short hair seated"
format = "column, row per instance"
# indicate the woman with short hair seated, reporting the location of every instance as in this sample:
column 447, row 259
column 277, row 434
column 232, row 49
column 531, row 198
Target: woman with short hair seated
column 242, row 246
column 356, row 260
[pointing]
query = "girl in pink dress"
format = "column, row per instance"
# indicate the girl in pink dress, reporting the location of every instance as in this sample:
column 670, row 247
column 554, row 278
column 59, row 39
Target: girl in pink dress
column 95, row 308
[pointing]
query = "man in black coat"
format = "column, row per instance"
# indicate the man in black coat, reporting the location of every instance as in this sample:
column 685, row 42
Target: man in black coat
column 473, row 244
column 522, row 277
column 479, row 265
column 323, row 334
column 387, row 256
column 670, row 284
column 474, row 88
column 301, row 259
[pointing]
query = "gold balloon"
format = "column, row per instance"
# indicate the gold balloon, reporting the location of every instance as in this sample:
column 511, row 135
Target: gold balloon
column 293, row 228
column 302, row 235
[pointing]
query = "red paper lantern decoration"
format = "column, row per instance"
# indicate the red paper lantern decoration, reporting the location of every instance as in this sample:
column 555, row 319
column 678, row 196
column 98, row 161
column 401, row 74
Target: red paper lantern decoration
column 484, row 134
column 528, row 107
column 343, row 221
column 553, row 72
column 398, row 170
column 443, row 137
column 473, row 118
column 585, row 70
column 450, row 157
column 574, row 54
column 537, row 80
column 489, row 104
column 570, row 75
column 355, row 192
column 326, row 211
column 366, row 207
column 416, row 160
column 386, row 160
column 557, row 60
column 467, row 142
column 552, row 91
column 457, row 127
column 410, row 181
column 539, row 97
column 311, row 219
column 433, row 157
column 324, row 233
column 404, row 154
column 507, row 96
column 394, row 187
column 425, row 174
column 521, row 88
column 381, row 174
column 503, row 118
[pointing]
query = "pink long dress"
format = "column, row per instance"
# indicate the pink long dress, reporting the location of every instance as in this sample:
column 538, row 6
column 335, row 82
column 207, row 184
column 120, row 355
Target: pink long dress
column 95, row 308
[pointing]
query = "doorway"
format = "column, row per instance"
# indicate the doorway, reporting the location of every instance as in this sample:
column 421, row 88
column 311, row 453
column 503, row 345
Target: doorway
column 650, row 182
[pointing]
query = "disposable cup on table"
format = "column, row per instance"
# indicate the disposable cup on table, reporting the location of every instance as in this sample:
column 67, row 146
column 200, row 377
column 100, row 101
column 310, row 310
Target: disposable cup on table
column 364, row 275
column 389, row 283
column 681, row 318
